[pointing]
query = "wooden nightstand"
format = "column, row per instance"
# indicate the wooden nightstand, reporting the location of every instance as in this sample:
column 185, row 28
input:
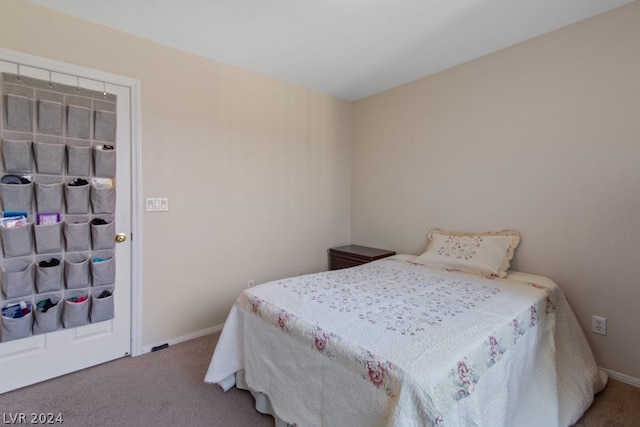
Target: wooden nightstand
column 352, row 255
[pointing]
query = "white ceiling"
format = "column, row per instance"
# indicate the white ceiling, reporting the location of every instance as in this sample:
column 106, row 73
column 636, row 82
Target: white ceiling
column 347, row 48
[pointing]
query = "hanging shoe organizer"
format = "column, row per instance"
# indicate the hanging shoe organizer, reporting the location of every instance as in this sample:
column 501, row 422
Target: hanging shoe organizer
column 58, row 197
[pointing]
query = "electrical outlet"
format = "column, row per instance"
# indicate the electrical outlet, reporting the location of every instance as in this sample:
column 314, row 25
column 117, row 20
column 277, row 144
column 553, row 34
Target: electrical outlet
column 251, row 283
column 599, row 325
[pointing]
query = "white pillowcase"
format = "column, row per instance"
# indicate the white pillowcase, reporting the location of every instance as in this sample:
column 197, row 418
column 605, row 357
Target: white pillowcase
column 486, row 254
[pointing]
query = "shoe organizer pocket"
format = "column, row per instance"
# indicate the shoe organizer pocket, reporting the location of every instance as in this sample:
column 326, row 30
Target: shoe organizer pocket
column 16, row 155
column 78, row 122
column 103, row 269
column 19, row 114
column 16, row 327
column 105, row 126
column 103, row 235
column 49, row 274
column 48, row 238
column 49, row 197
column 103, row 200
column 102, row 307
column 77, row 198
column 17, row 278
column 50, row 115
column 46, row 314
column 77, row 234
column 17, row 241
column 78, row 160
column 76, row 271
column 75, row 310
column 49, row 157
column 16, row 197
column 104, row 161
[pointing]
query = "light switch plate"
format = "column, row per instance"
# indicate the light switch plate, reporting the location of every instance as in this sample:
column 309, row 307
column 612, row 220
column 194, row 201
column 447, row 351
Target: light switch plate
column 157, row 204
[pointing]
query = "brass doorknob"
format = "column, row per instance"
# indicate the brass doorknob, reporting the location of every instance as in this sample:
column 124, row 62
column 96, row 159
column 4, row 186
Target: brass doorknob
column 121, row 237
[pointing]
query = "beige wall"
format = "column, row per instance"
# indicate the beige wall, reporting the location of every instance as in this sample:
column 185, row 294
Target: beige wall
column 257, row 172
column 542, row 137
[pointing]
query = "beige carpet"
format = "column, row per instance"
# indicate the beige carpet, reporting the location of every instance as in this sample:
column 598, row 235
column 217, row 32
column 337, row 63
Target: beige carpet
column 166, row 388
column 618, row 405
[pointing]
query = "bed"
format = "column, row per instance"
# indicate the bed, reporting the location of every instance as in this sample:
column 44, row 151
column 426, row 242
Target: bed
column 408, row 341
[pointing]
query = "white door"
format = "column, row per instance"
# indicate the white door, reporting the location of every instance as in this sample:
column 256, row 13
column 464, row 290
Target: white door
column 30, row 360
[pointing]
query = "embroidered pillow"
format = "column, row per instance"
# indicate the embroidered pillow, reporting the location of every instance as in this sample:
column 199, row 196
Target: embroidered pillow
column 487, row 254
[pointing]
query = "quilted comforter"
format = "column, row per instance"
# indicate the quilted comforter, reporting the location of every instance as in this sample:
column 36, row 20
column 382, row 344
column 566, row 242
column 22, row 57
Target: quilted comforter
column 391, row 343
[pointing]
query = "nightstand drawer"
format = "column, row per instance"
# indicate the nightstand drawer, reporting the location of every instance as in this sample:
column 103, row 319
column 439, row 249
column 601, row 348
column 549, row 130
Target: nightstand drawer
column 336, row 263
column 352, row 255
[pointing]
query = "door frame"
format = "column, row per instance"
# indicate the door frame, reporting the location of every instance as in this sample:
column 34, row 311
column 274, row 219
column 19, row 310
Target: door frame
column 21, row 59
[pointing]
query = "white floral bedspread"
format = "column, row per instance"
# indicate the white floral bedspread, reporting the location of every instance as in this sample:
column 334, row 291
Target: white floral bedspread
column 392, row 343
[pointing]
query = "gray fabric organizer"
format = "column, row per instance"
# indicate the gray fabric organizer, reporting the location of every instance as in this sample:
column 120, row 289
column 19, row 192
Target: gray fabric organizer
column 54, row 134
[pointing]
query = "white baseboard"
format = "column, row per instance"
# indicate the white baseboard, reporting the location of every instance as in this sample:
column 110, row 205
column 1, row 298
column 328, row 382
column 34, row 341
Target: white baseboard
column 183, row 338
column 622, row 377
